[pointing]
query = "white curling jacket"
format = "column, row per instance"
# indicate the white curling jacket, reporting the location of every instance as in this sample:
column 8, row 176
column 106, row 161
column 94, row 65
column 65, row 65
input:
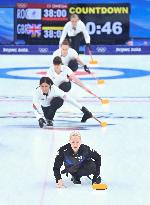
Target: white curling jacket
column 45, row 100
column 72, row 54
column 68, row 29
column 61, row 77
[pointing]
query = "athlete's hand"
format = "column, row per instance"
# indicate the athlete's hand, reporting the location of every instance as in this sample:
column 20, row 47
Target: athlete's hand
column 87, row 69
column 60, row 184
column 41, row 122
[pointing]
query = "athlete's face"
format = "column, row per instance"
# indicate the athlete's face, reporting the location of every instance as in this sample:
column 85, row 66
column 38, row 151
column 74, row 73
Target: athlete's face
column 45, row 87
column 74, row 21
column 64, row 50
column 57, row 68
column 75, row 143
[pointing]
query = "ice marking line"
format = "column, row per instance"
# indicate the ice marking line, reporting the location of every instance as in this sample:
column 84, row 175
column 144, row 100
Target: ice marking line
column 124, row 73
column 66, row 128
column 120, row 101
column 84, row 99
column 51, row 141
column 56, row 126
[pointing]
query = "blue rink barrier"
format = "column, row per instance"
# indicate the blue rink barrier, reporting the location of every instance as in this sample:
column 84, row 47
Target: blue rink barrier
column 96, row 49
column 28, row 49
column 119, row 50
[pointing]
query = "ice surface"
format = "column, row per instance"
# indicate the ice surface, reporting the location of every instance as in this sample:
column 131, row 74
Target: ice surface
column 27, row 152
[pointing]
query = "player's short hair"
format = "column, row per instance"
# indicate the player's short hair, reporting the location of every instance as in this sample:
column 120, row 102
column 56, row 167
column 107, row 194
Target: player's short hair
column 65, row 42
column 46, row 80
column 57, row 60
column 75, row 133
column 74, row 16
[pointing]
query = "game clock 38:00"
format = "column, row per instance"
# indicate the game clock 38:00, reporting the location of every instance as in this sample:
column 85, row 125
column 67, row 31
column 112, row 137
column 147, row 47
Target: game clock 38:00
column 43, row 23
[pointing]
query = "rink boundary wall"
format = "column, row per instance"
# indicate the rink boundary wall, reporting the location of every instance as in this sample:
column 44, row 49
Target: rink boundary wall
column 96, row 50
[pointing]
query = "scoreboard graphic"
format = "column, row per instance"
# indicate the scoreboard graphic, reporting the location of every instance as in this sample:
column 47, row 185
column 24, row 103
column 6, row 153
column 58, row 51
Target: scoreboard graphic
column 42, row 24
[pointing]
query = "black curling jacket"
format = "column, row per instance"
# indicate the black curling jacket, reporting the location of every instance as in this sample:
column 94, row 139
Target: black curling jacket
column 73, row 160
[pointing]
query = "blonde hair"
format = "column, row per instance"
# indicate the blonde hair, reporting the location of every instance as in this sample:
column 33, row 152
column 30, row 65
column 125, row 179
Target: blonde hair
column 74, row 16
column 75, row 133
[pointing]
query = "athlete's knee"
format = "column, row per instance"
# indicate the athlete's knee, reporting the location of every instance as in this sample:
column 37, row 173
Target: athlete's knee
column 73, row 65
column 65, row 86
column 57, row 102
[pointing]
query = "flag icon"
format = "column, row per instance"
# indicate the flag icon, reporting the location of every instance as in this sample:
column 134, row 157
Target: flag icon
column 34, row 14
column 34, row 30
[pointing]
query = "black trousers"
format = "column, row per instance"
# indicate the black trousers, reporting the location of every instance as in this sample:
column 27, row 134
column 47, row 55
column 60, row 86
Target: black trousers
column 75, row 41
column 88, row 168
column 49, row 112
column 65, row 86
column 73, row 65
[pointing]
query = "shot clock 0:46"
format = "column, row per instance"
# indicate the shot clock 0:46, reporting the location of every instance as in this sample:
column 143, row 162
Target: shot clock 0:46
column 114, row 28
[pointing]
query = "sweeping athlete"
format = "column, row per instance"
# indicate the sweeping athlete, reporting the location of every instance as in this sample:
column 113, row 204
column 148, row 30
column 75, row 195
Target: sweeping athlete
column 48, row 98
column 69, row 57
column 62, row 75
column 75, row 31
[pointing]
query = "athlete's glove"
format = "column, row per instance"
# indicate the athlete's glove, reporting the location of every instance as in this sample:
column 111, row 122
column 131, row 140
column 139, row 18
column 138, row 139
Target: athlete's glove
column 87, row 69
column 41, row 122
column 96, row 179
column 87, row 114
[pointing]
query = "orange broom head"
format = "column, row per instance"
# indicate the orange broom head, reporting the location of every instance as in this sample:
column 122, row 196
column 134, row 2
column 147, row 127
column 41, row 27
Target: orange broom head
column 100, row 82
column 103, row 124
column 104, row 101
column 99, row 186
column 93, row 62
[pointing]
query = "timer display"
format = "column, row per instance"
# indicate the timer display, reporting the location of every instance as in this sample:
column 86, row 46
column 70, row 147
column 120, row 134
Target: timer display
column 55, row 13
column 43, row 23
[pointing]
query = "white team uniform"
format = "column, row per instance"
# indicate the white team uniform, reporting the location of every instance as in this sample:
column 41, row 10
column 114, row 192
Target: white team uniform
column 45, row 100
column 68, row 29
column 72, row 54
column 61, row 77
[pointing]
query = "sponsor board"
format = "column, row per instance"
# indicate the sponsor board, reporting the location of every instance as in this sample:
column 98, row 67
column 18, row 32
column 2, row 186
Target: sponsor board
column 27, row 49
column 119, row 50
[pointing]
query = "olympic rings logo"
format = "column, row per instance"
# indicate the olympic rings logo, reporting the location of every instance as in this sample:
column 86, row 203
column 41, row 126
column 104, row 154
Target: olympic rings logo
column 43, row 50
column 101, row 49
